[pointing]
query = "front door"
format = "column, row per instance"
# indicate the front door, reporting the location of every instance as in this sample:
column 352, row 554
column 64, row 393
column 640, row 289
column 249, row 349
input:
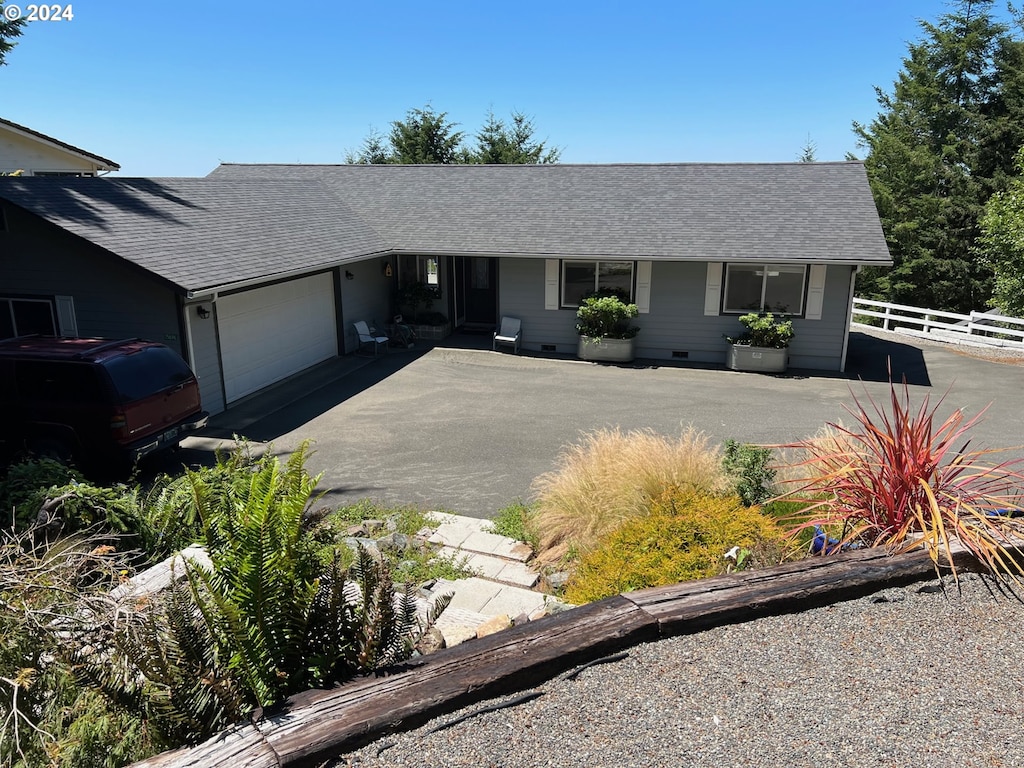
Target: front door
column 479, row 281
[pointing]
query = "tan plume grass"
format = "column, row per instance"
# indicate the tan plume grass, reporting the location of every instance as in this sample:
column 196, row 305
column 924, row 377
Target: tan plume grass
column 611, row 476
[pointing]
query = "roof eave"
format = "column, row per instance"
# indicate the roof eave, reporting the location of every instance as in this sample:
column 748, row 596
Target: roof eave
column 636, row 257
column 104, row 163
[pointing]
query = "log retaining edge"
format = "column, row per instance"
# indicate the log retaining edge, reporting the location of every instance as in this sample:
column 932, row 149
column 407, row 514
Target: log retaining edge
column 316, row 725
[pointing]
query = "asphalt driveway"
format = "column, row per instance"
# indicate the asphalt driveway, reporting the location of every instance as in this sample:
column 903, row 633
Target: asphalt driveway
column 468, row 430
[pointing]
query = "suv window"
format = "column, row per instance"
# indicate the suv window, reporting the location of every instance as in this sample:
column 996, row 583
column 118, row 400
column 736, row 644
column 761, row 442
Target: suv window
column 42, row 380
column 146, row 372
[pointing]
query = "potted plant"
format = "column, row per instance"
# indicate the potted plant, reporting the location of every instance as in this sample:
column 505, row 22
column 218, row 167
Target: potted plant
column 415, row 303
column 763, row 346
column 602, row 321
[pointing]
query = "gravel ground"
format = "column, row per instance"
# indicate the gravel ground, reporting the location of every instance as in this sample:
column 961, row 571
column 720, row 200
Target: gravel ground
column 916, row 676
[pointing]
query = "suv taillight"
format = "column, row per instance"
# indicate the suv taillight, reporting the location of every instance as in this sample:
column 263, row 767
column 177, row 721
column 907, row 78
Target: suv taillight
column 119, row 426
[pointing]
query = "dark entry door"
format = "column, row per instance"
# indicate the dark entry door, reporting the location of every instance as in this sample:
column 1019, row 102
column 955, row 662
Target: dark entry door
column 480, row 280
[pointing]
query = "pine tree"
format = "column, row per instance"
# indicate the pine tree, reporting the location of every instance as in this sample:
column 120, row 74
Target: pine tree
column 939, row 147
column 498, row 143
column 9, row 29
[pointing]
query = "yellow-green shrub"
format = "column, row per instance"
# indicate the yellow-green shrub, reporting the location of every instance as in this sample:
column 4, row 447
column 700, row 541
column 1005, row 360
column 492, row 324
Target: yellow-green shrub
column 610, row 477
column 684, row 536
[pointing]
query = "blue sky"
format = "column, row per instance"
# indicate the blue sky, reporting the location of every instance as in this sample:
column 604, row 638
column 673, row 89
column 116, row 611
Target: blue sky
column 172, row 88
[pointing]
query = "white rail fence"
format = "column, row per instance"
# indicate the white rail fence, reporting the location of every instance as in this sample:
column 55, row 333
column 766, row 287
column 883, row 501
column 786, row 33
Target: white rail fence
column 981, row 328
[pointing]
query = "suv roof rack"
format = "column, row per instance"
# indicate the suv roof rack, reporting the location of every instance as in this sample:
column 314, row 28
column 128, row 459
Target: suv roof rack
column 104, row 346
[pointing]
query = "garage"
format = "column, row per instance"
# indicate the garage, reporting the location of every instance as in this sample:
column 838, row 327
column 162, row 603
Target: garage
column 269, row 333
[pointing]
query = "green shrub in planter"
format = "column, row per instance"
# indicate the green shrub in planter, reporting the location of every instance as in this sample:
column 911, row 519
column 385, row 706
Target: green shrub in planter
column 606, row 317
column 763, row 330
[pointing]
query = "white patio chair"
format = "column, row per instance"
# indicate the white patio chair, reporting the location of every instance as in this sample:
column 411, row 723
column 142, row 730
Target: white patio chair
column 366, row 336
column 509, row 333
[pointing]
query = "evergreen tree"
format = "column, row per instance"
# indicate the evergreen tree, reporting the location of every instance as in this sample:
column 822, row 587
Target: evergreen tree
column 498, row 143
column 425, row 136
column 9, row 29
column 936, row 151
column 808, row 152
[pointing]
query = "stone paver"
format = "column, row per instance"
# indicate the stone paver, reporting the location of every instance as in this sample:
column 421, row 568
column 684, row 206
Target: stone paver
column 472, row 534
column 494, row 568
column 490, row 598
column 502, row 585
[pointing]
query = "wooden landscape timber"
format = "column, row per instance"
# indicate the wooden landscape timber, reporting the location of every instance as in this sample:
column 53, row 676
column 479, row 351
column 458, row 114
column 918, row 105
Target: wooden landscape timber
column 314, row 726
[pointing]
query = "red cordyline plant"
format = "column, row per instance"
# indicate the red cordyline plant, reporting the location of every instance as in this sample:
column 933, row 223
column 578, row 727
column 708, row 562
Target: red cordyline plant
column 896, row 479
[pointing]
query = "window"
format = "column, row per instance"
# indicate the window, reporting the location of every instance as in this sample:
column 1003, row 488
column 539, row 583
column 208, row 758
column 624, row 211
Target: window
column 147, row 372
column 582, row 278
column 421, row 269
column 68, row 174
column 777, row 288
column 62, row 382
column 21, row 317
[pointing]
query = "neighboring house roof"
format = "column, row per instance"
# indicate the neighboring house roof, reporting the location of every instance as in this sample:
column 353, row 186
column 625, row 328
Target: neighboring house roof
column 104, row 163
column 246, row 222
column 800, row 212
column 203, row 233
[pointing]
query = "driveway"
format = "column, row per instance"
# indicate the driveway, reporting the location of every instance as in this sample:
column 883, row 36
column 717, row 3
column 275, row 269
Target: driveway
column 468, row 430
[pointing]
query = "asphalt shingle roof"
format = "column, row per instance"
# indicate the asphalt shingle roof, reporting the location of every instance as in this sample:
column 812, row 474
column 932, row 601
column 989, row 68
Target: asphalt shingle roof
column 717, row 212
column 245, row 222
column 203, row 233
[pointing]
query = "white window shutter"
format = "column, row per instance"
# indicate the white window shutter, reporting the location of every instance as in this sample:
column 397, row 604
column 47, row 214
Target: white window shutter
column 66, row 321
column 713, row 288
column 643, row 286
column 551, row 284
column 815, row 292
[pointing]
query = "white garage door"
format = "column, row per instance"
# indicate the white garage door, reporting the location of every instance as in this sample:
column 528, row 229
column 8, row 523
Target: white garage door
column 269, row 333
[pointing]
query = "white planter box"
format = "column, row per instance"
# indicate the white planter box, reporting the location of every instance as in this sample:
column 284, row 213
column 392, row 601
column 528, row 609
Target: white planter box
column 606, row 350
column 760, row 359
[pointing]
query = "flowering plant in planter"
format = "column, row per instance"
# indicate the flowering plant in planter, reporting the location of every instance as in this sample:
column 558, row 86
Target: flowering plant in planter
column 763, row 330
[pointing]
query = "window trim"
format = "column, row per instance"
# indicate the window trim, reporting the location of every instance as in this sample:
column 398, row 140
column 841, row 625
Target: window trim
column 597, row 268
column 9, row 300
column 764, row 286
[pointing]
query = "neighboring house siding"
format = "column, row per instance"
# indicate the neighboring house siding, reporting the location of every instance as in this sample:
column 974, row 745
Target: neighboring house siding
column 111, row 299
column 676, row 326
column 206, row 357
column 367, row 296
column 29, row 155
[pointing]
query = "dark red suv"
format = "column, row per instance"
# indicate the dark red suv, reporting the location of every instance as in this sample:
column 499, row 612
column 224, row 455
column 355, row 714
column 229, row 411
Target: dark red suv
column 103, row 403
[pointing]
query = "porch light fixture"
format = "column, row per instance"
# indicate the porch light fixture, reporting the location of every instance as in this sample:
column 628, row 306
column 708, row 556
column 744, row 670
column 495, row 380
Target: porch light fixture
column 349, row 275
column 387, row 269
column 203, row 312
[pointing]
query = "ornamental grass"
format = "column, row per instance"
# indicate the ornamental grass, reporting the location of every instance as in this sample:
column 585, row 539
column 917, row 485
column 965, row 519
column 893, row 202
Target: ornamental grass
column 611, row 476
column 902, row 478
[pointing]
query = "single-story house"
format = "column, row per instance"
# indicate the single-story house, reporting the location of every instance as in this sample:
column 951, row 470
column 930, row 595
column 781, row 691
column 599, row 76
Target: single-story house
column 36, row 154
column 259, row 271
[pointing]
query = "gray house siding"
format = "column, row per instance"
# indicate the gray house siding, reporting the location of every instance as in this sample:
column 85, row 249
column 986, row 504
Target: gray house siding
column 819, row 344
column 367, row 296
column 112, row 298
column 521, row 294
column 676, row 326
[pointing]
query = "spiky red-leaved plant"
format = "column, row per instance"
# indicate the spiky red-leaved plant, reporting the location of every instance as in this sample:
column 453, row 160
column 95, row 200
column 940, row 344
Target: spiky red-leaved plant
column 898, row 477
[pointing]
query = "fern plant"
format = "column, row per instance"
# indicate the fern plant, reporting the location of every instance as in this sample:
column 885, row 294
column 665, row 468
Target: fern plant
column 269, row 617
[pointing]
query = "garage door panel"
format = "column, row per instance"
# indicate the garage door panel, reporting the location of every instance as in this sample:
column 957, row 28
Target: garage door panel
column 270, row 333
